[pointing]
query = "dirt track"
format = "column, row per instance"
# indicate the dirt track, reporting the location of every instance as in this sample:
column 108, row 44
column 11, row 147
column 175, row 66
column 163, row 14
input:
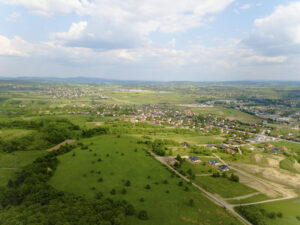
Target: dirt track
column 61, row 144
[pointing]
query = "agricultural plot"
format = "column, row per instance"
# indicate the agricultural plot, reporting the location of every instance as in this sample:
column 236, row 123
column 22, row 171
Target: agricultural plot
column 120, row 169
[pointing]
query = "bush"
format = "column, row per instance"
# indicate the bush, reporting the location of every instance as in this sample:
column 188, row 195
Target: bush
column 252, row 214
column 143, row 215
column 127, row 183
column 216, row 174
column 234, row 178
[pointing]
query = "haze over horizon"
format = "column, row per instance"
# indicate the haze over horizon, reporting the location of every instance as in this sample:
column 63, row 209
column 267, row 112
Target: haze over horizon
column 196, row 40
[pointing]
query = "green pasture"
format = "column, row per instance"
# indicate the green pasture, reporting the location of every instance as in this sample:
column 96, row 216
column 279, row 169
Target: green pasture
column 111, row 162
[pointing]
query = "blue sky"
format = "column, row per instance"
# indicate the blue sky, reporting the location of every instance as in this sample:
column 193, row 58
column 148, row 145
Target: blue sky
column 199, row 40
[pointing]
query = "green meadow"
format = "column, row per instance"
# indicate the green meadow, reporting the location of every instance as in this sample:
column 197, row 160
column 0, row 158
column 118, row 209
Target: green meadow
column 119, row 168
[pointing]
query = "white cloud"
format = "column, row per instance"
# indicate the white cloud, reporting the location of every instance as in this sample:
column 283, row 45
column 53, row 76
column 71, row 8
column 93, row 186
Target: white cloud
column 246, row 6
column 49, row 7
column 278, row 33
column 266, row 59
column 144, row 17
column 283, row 23
column 74, row 32
column 14, row 47
column 13, row 17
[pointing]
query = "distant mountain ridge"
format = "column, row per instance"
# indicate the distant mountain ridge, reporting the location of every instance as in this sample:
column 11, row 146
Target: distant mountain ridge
column 89, row 80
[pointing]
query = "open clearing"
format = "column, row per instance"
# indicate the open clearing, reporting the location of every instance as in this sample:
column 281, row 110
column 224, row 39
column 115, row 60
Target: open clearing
column 121, row 159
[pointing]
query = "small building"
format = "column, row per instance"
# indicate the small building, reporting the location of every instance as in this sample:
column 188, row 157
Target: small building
column 268, row 145
column 223, row 146
column 224, row 168
column 274, row 150
column 211, row 146
column 230, row 151
column 213, row 162
column 185, row 144
column 170, row 160
column 194, row 159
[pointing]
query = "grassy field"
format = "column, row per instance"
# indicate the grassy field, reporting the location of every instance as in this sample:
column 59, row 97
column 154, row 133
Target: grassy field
column 9, row 162
column 255, row 198
column 111, row 162
column 223, row 187
column 290, row 210
column 288, row 164
column 7, row 134
column 192, row 138
column 227, row 113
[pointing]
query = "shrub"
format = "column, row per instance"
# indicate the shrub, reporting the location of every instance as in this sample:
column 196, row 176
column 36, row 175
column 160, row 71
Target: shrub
column 113, row 192
column 99, row 195
column 191, row 202
column 216, row 174
column 252, row 214
column 143, row 215
column 129, row 210
column 234, row 178
column 147, row 187
column 127, row 183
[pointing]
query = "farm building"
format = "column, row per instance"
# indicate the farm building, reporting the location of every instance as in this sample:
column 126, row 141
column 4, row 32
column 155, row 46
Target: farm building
column 274, row 150
column 194, row 159
column 213, row 162
column 185, row 144
column 224, row 168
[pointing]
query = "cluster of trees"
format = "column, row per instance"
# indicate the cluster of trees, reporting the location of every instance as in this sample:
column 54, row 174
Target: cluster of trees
column 256, row 215
column 94, row 131
column 201, row 150
column 28, row 199
column 45, row 133
column 232, row 177
column 158, row 146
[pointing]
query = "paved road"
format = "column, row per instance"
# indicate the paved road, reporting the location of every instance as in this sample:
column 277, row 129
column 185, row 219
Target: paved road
column 214, row 198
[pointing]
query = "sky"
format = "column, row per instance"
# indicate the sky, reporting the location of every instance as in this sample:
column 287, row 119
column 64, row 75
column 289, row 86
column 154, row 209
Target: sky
column 163, row 40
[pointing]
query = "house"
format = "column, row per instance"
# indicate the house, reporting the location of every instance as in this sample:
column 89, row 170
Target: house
column 268, row 145
column 224, row 168
column 223, row 146
column 213, row 162
column 194, row 159
column 211, row 146
column 283, row 148
column 274, row 150
column 170, row 160
column 185, row 144
column 230, row 151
